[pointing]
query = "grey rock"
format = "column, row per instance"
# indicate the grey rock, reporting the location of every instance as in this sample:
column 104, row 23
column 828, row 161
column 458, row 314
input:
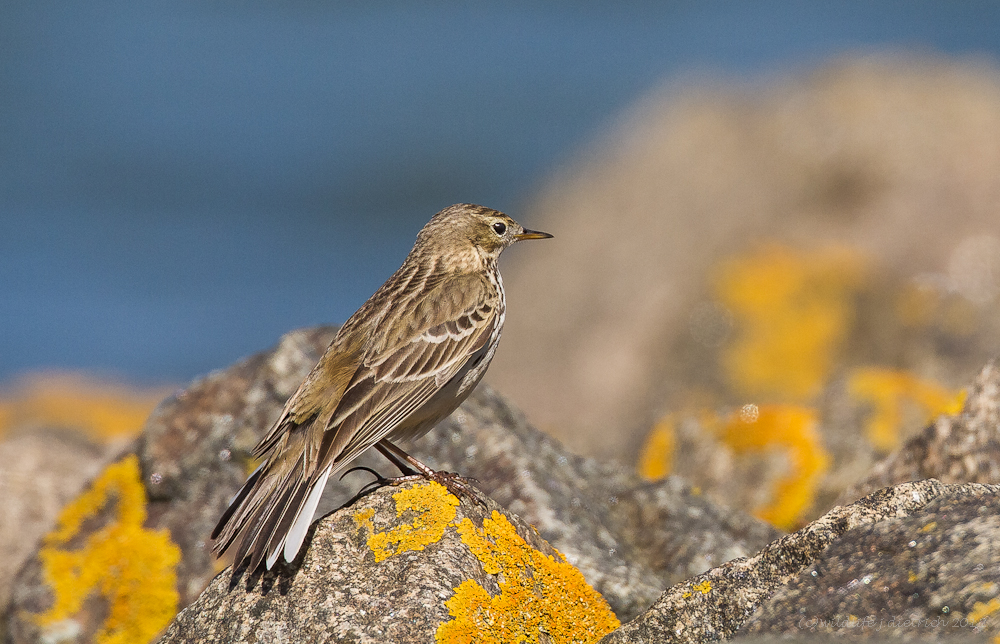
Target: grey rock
column 714, row 605
column 630, row 538
column 346, row 588
column 41, row 469
column 930, row 575
column 954, row 449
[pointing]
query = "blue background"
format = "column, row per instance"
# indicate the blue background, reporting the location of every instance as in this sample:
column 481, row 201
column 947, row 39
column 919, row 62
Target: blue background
column 183, row 181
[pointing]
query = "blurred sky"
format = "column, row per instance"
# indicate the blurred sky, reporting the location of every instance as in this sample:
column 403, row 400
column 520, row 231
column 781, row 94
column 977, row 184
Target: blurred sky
column 183, row 181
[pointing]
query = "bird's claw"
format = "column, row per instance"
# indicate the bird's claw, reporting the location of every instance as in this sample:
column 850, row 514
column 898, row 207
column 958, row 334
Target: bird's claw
column 452, row 481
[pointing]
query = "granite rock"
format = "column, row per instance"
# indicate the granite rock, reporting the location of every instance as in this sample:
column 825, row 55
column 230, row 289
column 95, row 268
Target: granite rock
column 401, row 565
column 716, row 604
column 40, row 470
column 930, row 575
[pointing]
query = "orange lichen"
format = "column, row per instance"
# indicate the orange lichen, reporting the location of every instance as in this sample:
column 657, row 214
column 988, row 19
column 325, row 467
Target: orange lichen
column 794, row 430
column 130, row 567
column 888, row 391
column 656, row 457
column 703, row 587
column 541, row 599
column 363, row 519
column 792, row 312
column 435, row 508
column 99, row 409
column 981, row 609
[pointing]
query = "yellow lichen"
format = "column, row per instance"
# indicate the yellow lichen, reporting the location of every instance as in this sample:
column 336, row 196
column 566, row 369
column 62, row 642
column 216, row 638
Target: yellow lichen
column 541, row 598
column 981, row 610
column 888, row 391
column 363, row 519
column 435, row 508
column 704, row 587
column 101, row 410
column 794, row 430
column 130, row 567
column 657, row 453
column 792, row 311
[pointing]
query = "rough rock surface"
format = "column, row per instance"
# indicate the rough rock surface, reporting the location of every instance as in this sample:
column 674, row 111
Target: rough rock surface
column 396, row 567
column 954, row 449
column 40, row 470
column 714, row 605
column 630, row 539
column 932, row 574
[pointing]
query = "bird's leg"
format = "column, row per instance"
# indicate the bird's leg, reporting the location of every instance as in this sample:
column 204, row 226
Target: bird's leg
column 383, row 448
column 453, row 482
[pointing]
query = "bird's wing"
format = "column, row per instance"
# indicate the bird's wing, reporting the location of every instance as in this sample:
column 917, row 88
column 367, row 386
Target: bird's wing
column 353, row 399
column 419, row 351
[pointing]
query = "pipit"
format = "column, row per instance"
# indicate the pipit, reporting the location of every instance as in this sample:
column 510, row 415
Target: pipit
column 401, row 364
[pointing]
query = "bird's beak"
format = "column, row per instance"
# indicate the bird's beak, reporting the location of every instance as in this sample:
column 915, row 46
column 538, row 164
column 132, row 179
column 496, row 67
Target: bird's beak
column 531, row 234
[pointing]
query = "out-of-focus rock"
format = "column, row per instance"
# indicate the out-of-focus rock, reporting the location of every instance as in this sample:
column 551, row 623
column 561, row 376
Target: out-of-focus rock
column 40, row 470
column 404, row 565
column 897, row 159
column 954, row 449
column 57, row 430
column 629, row 538
column 930, row 575
column 716, row 604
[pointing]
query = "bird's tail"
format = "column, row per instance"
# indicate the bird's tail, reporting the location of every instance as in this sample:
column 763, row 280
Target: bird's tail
column 272, row 511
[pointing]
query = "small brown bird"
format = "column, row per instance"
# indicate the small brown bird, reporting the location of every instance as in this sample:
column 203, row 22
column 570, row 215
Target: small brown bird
column 401, row 364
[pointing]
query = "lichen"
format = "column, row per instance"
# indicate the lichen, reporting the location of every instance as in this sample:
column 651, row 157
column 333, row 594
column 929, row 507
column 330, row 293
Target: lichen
column 889, row 391
column 656, row 457
column 794, row 430
column 981, row 609
column 100, row 410
column 541, row 599
column 435, row 508
column 793, row 312
column 540, row 595
column 133, row 569
column 363, row 519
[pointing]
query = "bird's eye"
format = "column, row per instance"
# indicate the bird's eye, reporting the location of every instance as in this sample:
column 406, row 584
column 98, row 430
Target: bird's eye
column 500, row 227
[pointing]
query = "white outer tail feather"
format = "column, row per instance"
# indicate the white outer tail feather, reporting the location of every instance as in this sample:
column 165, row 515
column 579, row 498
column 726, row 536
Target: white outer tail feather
column 297, row 533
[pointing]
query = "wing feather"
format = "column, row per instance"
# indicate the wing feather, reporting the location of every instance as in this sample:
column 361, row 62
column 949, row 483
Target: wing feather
column 394, row 383
column 365, row 386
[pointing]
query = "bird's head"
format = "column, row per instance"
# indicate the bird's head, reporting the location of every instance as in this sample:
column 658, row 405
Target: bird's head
column 473, row 234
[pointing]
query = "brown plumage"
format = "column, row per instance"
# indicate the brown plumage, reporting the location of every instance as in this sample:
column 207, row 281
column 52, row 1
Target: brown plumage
column 401, row 364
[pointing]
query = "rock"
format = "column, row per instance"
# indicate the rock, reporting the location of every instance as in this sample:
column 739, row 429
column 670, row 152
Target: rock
column 630, row 539
column 954, row 449
column 716, row 604
column 41, row 469
column 866, row 152
column 931, row 574
column 404, row 565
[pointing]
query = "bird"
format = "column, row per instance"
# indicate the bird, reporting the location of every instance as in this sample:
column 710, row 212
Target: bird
column 398, row 366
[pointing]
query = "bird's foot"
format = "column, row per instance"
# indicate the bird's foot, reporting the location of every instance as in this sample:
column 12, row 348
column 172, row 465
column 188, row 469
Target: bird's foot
column 454, row 483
